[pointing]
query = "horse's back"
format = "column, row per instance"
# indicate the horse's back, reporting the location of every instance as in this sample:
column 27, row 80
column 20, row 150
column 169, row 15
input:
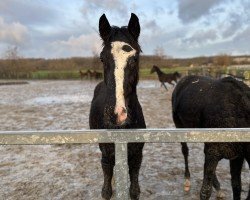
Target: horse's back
column 204, row 102
column 187, row 101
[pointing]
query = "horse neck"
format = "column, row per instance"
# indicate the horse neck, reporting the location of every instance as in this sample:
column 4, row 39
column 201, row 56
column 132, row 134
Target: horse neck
column 175, row 76
column 158, row 71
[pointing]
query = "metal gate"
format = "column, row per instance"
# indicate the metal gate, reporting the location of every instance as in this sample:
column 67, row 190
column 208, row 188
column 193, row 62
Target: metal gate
column 121, row 137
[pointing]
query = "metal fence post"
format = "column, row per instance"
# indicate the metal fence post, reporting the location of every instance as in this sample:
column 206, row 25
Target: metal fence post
column 121, row 171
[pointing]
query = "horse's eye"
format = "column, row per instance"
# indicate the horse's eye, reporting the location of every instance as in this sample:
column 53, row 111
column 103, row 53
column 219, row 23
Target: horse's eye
column 127, row 48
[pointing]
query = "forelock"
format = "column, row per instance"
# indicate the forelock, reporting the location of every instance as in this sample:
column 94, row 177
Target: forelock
column 118, row 33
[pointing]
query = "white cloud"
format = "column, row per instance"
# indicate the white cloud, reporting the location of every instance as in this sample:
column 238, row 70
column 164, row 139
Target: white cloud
column 182, row 28
column 201, row 37
column 28, row 12
column 233, row 23
column 151, row 25
column 243, row 37
column 84, row 45
column 13, row 33
column 191, row 10
column 115, row 6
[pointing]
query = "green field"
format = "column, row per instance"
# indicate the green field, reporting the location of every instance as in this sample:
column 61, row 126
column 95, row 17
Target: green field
column 55, row 75
column 144, row 73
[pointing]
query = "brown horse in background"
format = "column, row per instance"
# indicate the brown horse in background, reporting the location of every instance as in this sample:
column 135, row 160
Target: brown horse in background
column 84, row 74
column 91, row 75
column 95, row 75
column 165, row 77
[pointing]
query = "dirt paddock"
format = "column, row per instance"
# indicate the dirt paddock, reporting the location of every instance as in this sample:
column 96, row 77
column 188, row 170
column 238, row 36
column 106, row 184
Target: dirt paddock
column 62, row 172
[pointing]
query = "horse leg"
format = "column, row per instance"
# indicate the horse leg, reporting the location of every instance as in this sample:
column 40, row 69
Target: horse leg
column 210, row 165
column 216, row 185
column 248, row 196
column 108, row 162
column 235, row 170
column 248, row 161
column 185, row 151
column 134, row 162
column 173, row 84
column 164, row 85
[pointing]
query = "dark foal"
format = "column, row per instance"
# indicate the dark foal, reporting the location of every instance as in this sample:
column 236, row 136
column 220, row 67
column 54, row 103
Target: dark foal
column 165, row 77
column 115, row 104
column 202, row 102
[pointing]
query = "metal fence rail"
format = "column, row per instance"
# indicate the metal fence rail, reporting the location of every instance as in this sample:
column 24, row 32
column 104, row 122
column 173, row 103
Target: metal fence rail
column 121, row 137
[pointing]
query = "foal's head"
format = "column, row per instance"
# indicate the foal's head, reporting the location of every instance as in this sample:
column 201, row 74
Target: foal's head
column 120, row 57
column 154, row 68
column 177, row 75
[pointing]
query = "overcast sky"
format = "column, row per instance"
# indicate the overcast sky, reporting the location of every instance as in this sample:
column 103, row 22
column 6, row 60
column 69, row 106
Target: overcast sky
column 183, row 28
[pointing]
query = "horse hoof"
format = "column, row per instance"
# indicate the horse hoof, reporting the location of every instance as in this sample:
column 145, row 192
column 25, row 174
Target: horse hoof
column 135, row 192
column 220, row 195
column 106, row 193
column 187, row 185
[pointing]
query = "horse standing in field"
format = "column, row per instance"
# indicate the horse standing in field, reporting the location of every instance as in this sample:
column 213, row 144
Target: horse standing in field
column 91, row 74
column 165, row 77
column 84, row 74
column 97, row 75
column 202, row 102
column 115, row 104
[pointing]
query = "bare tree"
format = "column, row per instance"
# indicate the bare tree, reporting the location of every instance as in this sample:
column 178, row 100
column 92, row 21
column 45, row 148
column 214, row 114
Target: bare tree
column 12, row 53
column 222, row 60
column 159, row 52
column 96, row 60
column 11, row 67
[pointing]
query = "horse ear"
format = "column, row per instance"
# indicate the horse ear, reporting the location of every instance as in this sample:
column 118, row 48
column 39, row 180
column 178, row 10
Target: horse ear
column 104, row 27
column 134, row 26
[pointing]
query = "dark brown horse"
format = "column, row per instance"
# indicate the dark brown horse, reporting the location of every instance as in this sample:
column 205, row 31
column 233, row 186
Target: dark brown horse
column 165, row 77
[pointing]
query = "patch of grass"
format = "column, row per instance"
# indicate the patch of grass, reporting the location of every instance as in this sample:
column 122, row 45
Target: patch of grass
column 63, row 74
column 55, row 75
column 144, row 73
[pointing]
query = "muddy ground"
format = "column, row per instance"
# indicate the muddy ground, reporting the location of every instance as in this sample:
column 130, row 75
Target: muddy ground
column 74, row 171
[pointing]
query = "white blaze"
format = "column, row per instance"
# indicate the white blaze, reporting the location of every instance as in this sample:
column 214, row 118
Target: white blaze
column 120, row 58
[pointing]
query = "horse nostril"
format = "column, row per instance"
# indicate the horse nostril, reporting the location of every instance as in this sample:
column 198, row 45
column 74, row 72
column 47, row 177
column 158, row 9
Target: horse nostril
column 121, row 115
column 124, row 110
column 135, row 59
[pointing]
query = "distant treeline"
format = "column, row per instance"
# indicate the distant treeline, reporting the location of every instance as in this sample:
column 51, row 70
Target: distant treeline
column 25, row 68
column 216, row 61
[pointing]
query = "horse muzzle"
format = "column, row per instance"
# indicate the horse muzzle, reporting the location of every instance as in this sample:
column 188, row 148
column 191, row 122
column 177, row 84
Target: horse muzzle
column 121, row 115
column 116, row 118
